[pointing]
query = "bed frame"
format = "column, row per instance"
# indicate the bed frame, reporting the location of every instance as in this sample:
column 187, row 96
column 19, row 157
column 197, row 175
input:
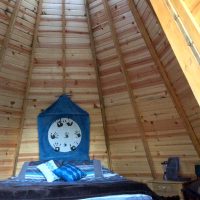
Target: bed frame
column 62, row 190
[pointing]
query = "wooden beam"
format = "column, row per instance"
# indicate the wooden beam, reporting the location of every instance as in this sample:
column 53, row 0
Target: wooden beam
column 25, row 101
column 193, row 6
column 164, row 75
column 101, row 100
column 130, row 90
column 184, row 55
column 188, row 21
column 63, row 47
column 9, row 32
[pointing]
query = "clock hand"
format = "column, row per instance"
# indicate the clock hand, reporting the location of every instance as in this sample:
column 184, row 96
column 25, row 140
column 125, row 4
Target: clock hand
column 66, row 135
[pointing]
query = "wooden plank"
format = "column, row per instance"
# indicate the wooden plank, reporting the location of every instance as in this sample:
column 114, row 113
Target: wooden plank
column 185, row 57
column 158, row 63
column 100, row 93
column 194, row 7
column 25, row 101
column 63, row 47
column 9, row 32
column 130, row 90
column 188, row 21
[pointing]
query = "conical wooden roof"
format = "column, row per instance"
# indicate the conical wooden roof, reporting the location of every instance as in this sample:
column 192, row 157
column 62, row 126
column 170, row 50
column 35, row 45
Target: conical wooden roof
column 122, row 61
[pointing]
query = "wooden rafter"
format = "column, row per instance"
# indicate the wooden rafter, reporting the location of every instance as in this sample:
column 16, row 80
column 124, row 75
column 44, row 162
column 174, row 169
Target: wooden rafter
column 130, row 90
column 25, row 101
column 187, row 60
column 9, row 32
column 63, row 47
column 101, row 100
column 188, row 21
column 164, row 75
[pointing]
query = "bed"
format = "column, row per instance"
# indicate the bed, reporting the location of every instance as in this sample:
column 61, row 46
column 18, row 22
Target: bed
column 94, row 186
column 64, row 139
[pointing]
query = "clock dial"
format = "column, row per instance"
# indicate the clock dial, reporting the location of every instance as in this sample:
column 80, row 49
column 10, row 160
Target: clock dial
column 64, row 135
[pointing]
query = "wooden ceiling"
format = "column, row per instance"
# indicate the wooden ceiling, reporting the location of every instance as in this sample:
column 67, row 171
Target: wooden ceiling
column 115, row 61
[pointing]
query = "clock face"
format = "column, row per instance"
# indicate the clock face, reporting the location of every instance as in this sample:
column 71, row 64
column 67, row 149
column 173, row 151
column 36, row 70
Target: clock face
column 64, row 135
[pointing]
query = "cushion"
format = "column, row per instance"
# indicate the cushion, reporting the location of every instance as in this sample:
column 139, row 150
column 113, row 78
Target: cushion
column 29, row 171
column 47, row 169
column 33, row 173
column 22, row 172
column 69, row 173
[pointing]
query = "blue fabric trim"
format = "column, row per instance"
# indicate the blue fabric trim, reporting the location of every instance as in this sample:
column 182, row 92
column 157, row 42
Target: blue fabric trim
column 64, row 105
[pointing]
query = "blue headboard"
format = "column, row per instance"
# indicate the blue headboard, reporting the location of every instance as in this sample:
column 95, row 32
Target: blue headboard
column 63, row 130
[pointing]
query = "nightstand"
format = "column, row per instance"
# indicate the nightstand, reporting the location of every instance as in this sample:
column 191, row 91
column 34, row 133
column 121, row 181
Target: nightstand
column 167, row 188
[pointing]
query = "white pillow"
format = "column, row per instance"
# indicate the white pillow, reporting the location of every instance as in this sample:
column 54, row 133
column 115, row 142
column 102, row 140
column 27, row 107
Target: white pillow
column 47, row 170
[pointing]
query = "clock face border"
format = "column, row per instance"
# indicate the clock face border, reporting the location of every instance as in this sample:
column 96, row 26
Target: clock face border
column 64, row 135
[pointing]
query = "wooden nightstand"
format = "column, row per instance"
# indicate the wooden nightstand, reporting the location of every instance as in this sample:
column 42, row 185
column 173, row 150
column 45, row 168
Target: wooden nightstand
column 166, row 188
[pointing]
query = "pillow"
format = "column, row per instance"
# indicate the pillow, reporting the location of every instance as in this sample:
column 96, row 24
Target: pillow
column 29, row 171
column 47, row 170
column 33, row 173
column 22, row 172
column 69, row 173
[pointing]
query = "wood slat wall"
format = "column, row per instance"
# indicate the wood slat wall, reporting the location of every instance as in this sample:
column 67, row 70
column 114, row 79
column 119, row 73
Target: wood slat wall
column 13, row 74
column 164, row 128
column 59, row 59
column 127, row 151
column 181, row 87
column 47, row 75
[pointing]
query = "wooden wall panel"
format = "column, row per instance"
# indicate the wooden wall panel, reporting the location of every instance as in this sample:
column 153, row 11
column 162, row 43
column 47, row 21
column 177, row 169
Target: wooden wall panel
column 47, row 76
column 127, row 152
column 63, row 62
column 6, row 8
column 13, row 74
column 143, row 77
column 177, row 142
column 164, row 129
